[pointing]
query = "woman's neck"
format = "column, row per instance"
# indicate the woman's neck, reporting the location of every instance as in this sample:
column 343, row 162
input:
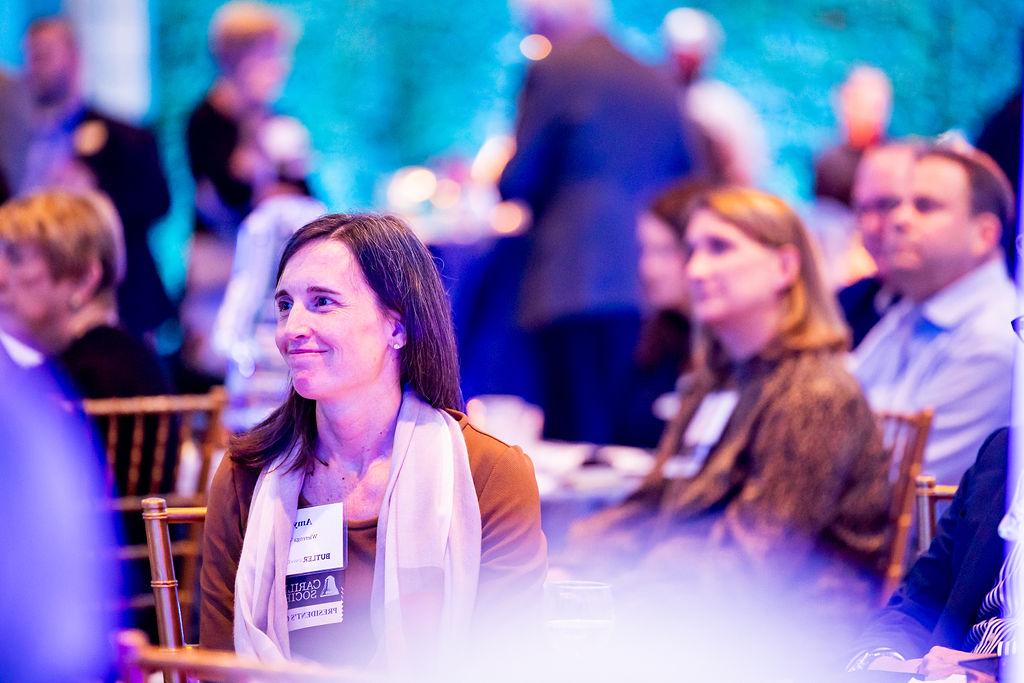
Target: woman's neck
column 99, row 311
column 744, row 337
column 356, row 433
column 227, row 98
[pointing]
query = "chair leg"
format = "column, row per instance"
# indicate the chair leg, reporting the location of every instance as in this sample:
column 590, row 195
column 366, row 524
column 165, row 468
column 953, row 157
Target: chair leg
column 163, row 581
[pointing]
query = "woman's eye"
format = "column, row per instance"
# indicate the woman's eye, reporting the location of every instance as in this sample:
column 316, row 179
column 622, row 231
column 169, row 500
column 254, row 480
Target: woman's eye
column 321, row 301
column 718, row 246
column 283, row 305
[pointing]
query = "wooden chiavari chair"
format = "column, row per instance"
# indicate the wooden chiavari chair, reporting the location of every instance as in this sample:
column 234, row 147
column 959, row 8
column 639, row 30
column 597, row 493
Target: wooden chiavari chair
column 158, row 445
column 929, row 496
column 904, row 436
column 137, row 659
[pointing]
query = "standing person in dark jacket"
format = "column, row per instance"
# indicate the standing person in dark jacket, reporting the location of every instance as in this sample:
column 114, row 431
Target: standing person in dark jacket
column 73, row 146
column 597, row 135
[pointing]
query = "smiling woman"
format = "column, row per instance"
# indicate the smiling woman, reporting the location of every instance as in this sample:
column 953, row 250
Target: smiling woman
column 420, row 528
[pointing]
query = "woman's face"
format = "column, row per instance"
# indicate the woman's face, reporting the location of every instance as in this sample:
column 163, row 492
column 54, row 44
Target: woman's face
column 662, row 265
column 733, row 278
column 335, row 338
column 34, row 306
column 261, row 73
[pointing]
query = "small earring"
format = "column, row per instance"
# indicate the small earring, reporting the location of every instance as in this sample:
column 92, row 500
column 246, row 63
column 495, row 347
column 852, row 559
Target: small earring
column 396, row 346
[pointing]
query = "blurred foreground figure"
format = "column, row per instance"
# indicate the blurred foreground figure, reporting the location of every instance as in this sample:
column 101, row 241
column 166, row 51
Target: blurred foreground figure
column 365, row 522
column 75, row 147
column 730, row 140
column 597, row 135
column 771, row 482
column 54, row 591
column 961, row 598
column 947, row 345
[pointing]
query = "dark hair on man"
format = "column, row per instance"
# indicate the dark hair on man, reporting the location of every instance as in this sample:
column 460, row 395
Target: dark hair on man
column 990, row 191
column 402, row 275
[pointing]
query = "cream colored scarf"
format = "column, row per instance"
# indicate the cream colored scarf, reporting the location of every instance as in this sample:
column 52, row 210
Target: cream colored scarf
column 428, row 546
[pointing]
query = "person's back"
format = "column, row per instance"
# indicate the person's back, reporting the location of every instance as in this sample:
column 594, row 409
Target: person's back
column 611, row 138
column 598, row 134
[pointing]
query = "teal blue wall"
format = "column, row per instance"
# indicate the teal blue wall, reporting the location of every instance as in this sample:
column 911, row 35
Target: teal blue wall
column 384, row 83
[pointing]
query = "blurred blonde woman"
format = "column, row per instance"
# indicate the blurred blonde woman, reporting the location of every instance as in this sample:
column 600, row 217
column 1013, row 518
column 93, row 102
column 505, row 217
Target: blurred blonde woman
column 771, row 475
column 61, row 259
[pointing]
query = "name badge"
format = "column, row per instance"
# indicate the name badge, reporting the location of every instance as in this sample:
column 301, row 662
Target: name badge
column 314, row 583
column 702, row 434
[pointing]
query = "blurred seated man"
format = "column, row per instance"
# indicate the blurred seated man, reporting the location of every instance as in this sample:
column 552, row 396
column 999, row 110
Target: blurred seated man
column 954, row 604
column 946, row 345
column 75, row 147
column 883, row 176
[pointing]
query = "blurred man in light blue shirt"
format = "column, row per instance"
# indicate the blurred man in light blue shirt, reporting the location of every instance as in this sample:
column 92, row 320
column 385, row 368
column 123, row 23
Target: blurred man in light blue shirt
column 948, row 344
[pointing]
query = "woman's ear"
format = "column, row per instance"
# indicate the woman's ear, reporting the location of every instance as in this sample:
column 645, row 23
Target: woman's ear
column 87, row 285
column 398, row 334
column 789, row 263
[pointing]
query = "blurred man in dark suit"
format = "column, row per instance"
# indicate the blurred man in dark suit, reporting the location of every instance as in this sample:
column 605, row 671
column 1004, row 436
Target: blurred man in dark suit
column 597, row 135
column 73, row 146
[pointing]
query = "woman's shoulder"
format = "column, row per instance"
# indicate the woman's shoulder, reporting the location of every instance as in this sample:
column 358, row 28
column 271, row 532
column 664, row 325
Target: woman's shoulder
column 234, row 480
column 821, row 374
column 494, row 462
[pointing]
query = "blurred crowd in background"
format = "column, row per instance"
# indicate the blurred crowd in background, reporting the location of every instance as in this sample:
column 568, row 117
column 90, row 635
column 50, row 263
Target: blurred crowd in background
column 609, row 260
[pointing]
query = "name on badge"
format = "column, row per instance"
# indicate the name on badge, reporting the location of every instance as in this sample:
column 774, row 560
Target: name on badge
column 314, row 583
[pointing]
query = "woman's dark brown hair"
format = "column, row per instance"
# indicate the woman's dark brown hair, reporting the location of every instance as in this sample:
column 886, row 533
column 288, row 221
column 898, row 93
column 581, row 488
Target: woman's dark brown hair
column 401, row 273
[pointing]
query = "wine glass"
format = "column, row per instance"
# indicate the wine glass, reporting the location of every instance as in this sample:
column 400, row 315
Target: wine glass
column 578, row 616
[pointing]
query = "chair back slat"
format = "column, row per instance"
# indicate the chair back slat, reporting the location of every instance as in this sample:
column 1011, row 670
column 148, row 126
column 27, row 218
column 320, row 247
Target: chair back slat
column 163, row 427
column 111, row 448
column 904, row 436
column 135, row 459
column 185, row 434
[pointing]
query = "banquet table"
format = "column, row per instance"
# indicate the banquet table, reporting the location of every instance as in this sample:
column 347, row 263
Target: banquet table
column 578, row 479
